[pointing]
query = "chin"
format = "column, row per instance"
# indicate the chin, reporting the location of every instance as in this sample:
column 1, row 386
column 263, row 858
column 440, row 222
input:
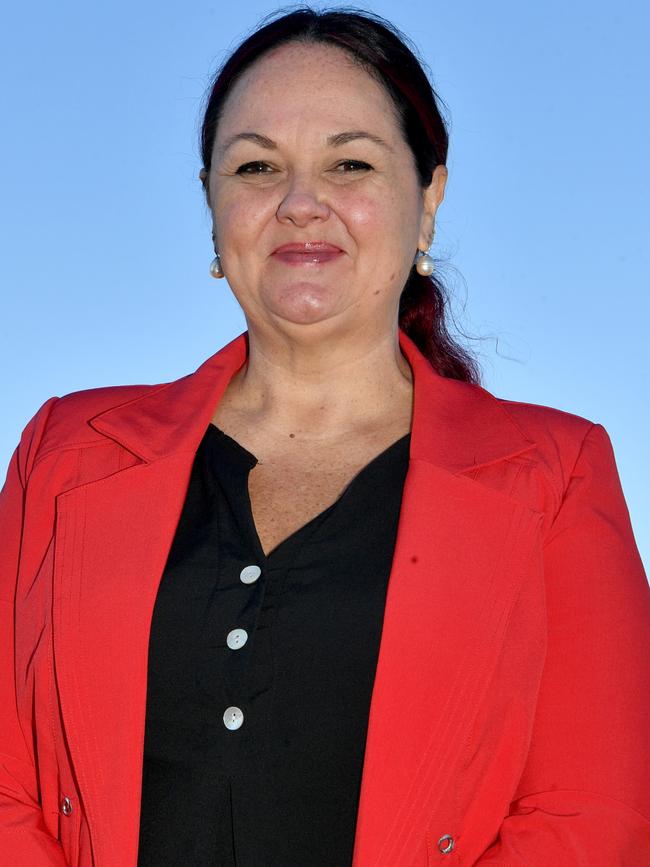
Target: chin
column 304, row 303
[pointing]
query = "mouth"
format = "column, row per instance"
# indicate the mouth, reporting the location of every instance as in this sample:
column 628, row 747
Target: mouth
column 307, row 253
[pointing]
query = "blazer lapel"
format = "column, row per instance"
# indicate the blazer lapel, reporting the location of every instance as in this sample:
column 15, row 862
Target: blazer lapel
column 461, row 551
column 113, row 537
column 460, row 556
column 448, row 600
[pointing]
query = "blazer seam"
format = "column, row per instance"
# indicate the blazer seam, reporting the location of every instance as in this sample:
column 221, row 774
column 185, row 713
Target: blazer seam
column 64, row 447
column 35, row 446
column 565, row 490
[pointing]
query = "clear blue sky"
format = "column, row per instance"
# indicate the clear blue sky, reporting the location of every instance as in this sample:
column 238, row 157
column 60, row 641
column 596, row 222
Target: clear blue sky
column 106, row 241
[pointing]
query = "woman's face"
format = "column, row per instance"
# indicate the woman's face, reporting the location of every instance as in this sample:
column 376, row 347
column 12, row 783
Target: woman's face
column 309, row 152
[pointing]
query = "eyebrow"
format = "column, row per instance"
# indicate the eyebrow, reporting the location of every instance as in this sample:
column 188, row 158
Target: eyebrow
column 336, row 140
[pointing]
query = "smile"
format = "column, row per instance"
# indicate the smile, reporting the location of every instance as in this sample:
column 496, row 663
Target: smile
column 308, row 253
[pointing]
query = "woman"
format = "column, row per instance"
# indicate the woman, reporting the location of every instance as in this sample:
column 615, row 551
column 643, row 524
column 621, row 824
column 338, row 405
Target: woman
column 324, row 600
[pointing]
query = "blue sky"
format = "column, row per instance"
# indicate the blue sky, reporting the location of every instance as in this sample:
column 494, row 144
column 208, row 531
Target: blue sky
column 544, row 228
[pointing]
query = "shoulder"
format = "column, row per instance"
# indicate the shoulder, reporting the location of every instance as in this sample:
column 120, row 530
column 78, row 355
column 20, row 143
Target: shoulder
column 562, row 440
column 63, row 421
column 541, row 423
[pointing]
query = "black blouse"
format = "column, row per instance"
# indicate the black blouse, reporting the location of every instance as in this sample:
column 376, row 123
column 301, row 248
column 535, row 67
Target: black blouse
column 261, row 671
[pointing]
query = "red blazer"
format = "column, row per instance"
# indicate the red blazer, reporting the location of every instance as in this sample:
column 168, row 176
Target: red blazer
column 510, row 714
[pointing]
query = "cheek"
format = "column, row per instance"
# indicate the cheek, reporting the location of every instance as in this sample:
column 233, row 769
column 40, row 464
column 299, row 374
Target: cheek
column 362, row 213
column 380, row 219
column 239, row 219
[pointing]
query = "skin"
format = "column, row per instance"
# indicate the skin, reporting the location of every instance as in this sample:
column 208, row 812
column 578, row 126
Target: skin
column 324, row 358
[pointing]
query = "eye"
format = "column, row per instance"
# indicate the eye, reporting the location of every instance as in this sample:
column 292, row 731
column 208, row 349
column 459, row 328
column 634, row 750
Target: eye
column 354, row 165
column 255, row 168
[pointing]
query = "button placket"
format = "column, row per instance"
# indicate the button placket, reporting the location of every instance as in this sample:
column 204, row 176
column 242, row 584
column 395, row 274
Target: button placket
column 233, row 717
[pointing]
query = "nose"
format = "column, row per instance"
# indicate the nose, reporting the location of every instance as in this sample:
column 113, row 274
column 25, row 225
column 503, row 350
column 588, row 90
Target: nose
column 302, row 204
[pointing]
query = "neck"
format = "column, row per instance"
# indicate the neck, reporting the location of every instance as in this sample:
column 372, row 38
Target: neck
column 326, row 388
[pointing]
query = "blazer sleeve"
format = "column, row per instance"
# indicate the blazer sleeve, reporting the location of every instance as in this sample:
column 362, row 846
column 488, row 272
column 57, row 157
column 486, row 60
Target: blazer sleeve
column 24, row 838
column 584, row 796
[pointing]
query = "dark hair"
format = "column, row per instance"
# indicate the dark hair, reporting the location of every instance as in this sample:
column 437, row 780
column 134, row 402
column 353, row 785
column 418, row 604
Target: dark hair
column 385, row 53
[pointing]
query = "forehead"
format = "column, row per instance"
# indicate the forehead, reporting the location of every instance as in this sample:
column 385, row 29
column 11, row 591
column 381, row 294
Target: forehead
column 308, row 84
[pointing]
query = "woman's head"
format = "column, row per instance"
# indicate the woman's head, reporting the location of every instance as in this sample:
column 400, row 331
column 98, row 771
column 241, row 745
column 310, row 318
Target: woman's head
column 322, row 126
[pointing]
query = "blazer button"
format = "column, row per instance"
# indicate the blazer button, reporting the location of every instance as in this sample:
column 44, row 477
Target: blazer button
column 66, row 806
column 446, row 844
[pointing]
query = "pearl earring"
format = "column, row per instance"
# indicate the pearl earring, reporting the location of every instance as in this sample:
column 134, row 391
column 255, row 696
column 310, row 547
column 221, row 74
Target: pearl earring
column 424, row 264
column 215, row 267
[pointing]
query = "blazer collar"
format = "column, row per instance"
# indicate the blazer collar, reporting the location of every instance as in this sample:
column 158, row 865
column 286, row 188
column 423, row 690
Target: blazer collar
column 455, row 425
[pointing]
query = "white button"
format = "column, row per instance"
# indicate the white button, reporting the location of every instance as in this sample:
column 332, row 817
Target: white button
column 233, row 718
column 249, row 574
column 236, row 638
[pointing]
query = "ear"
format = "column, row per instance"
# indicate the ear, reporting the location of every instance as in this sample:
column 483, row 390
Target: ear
column 203, row 177
column 433, row 196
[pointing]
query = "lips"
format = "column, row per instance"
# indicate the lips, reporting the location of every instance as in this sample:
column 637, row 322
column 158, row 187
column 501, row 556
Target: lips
column 307, row 253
